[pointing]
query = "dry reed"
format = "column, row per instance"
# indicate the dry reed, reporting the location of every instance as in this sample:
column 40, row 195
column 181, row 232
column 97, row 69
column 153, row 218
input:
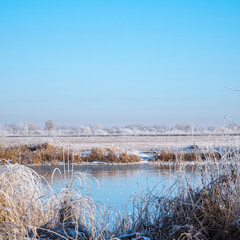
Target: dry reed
column 48, row 154
column 210, row 212
column 29, row 208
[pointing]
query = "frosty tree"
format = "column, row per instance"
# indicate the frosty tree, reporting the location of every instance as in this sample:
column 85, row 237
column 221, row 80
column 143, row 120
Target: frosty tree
column 49, row 125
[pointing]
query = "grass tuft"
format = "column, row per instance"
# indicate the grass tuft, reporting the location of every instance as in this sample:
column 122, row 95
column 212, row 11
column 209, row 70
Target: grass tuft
column 29, row 208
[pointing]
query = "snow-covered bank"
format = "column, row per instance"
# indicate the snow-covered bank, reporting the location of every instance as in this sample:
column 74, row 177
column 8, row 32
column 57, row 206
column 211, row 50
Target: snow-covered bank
column 126, row 143
column 49, row 154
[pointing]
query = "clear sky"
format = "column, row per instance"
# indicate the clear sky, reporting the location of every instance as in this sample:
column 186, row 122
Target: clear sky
column 119, row 62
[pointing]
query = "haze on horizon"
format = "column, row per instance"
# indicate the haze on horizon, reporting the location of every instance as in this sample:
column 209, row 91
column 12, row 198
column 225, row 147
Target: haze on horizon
column 119, row 62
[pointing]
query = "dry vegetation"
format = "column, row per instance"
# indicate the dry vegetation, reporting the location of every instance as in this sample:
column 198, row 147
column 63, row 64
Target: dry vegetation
column 108, row 155
column 212, row 212
column 30, row 209
column 27, row 154
column 44, row 154
column 167, row 156
column 49, row 154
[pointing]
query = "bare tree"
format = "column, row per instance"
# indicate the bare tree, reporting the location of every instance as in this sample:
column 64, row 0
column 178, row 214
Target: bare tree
column 49, row 125
column 233, row 89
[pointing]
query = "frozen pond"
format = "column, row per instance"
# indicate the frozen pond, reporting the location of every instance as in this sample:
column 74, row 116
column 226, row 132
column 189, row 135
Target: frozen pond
column 118, row 182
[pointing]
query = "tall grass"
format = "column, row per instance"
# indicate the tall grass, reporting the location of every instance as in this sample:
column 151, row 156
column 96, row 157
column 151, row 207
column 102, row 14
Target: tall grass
column 29, row 208
column 21, row 208
column 211, row 211
column 191, row 156
column 48, row 154
column 110, row 156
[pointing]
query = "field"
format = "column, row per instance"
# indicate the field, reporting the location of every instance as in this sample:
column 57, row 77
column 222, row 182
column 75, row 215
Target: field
column 118, row 149
column 127, row 143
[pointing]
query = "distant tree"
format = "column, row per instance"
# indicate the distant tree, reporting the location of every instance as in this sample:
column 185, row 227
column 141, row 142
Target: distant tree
column 11, row 128
column 233, row 126
column 161, row 128
column 212, row 128
column 30, row 127
column 179, row 127
column 87, row 130
column 49, row 125
column 188, row 128
column 233, row 89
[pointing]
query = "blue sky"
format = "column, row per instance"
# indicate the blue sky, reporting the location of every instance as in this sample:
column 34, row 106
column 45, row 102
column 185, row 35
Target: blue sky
column 119, row 62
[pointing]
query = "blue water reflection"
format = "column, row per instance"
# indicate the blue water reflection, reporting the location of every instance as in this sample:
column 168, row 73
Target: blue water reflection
column 118, row 182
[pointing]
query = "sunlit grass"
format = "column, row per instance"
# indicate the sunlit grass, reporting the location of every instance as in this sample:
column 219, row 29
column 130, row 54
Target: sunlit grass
column 48, row 154
column 30, row 208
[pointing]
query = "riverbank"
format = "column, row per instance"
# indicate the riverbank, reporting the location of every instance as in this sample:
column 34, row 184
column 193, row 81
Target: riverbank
column 47, row 154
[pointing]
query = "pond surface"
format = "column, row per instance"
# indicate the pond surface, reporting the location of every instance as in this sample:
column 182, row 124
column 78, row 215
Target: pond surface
column 116, row 183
